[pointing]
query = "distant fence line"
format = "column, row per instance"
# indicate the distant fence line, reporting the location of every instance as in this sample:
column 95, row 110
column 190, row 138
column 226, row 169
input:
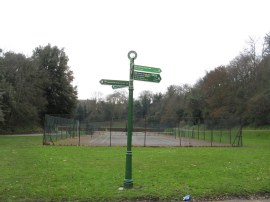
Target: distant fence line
column 186, row 132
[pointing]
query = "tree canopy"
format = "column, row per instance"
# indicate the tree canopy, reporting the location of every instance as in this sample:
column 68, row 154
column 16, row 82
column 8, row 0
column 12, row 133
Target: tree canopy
column 33, row 86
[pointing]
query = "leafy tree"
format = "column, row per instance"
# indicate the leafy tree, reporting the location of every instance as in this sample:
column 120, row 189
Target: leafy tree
column 258, row 112
column 30, row 87
column 145, row 100
column 21, row 96
column 118, row 103
column 156, row 107
column 266, row 45
column 118, row 97
column 104, row 111
column 215, row 87
column 137, row 109
column 90, row 108
column 81, row 112
column 1, row 88
column 1, row 110
column 57, row 79
column 258, row 108
column 174, row 102
column 195, row 104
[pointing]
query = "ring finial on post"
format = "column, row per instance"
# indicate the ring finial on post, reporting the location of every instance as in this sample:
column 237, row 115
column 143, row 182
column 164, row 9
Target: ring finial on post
column 132, row 55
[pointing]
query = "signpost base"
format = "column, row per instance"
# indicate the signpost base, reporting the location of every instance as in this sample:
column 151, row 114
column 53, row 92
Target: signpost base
column 128, row 184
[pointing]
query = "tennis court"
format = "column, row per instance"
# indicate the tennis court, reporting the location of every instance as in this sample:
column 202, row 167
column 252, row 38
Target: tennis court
column 149, row 139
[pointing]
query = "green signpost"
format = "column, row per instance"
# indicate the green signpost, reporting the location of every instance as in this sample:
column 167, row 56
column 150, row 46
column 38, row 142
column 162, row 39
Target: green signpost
column 142, row 73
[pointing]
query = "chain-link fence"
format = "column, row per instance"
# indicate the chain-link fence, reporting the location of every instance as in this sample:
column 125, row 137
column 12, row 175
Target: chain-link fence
column 146, row 132
column 57, row 129
column 213, row 132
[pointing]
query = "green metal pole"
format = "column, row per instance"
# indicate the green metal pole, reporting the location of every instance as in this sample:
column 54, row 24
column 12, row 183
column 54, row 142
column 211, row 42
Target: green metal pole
column 128, row 182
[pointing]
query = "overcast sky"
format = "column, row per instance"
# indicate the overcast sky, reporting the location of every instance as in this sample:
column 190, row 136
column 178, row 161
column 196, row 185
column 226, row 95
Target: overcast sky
column 183, row 38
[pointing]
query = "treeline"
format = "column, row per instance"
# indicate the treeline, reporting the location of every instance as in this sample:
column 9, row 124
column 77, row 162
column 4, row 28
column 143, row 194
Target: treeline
column 238, row 91
column 31, row 87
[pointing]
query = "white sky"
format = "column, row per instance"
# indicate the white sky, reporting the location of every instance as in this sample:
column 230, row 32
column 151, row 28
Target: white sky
column 185, row 38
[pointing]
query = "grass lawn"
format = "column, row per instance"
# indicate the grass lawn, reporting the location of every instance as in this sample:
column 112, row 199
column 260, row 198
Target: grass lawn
column 33, row 172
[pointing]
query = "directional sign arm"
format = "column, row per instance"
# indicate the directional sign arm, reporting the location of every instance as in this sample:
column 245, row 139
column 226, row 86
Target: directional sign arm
column 147, row 69
column 143, row 76
column 114, row 82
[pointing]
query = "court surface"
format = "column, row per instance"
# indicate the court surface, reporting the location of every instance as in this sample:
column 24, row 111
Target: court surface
column 149, row 139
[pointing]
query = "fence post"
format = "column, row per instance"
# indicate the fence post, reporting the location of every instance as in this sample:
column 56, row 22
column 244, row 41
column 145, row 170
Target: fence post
column 199, row 129
column 174, row 130
column 230, row 136
column 241, row 140
column 79, row 126
column 204, row 132
column 211, row 137
column 180, row 133
column 220, row 135
column 144, row 131
column 111, row 132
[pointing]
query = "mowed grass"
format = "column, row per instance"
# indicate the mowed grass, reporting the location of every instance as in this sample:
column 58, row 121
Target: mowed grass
column 33, row 172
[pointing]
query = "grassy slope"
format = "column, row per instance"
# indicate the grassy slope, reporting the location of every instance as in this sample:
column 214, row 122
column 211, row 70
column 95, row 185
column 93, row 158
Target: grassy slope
column 30, row 171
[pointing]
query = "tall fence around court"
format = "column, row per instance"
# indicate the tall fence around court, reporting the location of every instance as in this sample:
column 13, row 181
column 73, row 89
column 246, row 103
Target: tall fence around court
column 59, row 129
column 213, row 132
column 187, row 132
